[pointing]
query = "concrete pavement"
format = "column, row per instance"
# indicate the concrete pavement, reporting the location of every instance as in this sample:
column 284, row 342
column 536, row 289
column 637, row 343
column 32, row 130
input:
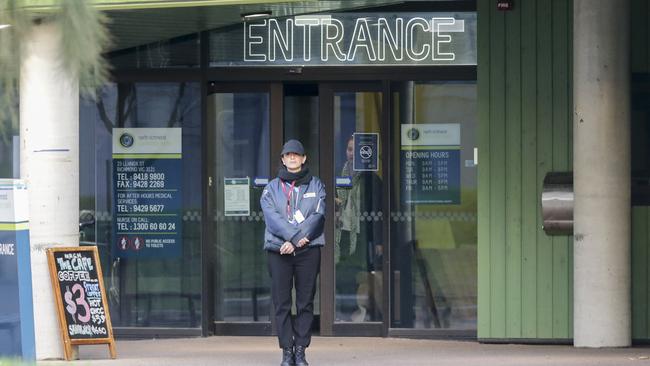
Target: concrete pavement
column 236, row 351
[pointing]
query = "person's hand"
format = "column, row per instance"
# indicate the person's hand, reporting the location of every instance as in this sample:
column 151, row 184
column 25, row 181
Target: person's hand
column 287, row 248
column 302, row 242
column 379, row 250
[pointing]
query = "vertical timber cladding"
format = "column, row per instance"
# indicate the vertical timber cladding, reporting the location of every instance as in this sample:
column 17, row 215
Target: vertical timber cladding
column 525, row 131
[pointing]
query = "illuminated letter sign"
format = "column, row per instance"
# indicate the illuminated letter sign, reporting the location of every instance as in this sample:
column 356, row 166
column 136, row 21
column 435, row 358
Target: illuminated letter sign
column 412, row 39
column 285, row 41
column 361, row 39
column 332, row 37
column 394, row 40
column 251, row 41
column 355, row 39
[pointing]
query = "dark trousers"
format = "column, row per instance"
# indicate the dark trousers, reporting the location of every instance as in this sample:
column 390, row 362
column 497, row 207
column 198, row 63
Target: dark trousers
column 285, row 270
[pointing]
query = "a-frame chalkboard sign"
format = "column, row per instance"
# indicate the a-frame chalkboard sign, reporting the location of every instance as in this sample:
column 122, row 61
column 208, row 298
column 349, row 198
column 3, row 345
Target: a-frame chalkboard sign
column 80, row 297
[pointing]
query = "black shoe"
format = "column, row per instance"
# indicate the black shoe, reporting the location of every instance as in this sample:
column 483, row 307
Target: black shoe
column 287, row 357
column 300, row 356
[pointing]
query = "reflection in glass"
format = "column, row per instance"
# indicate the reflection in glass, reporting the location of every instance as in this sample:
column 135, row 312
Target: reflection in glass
column 358, row 202
column 301, row 120
column 433, row 222
column 179, row 52
column 9, row 149
column 241, row 149
column 146, row 292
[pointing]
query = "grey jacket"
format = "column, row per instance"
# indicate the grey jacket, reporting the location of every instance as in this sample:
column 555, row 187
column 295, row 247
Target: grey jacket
column 309, row 199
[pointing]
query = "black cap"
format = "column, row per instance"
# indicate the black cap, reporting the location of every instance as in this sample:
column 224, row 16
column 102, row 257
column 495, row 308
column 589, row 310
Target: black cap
column 293, row 146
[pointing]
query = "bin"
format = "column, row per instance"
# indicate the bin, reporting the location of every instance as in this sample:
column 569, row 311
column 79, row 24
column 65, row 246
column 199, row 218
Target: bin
column 557, row 203
column 16, row 307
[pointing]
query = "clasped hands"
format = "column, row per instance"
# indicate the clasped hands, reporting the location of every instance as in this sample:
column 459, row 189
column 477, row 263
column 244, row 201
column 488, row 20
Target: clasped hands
column 288, row 248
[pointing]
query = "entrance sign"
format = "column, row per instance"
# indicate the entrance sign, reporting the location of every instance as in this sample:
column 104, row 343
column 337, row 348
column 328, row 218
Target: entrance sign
column 352, row 39
column 80, row 297
column 366, row 152
column 147, row 192
column 430, row 159
column 236, row 197
column 16, row 307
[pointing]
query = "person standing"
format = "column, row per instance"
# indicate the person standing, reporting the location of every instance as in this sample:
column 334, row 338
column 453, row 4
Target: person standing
column 358, row 242
column 294, row 213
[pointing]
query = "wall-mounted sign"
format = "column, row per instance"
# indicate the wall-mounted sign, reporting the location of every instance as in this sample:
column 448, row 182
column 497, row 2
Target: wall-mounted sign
column 366, row 152
column 147, row 192
column 351, row 39
column 430, row 160
column 505, row 5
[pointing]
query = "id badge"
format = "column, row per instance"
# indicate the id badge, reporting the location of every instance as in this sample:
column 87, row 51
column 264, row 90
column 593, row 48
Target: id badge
column 298, row 216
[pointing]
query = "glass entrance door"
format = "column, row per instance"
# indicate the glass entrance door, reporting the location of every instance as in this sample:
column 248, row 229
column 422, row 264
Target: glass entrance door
column 239, row 149
column 433, row 256
column 353, row 137
column 341, row 128
column 399, row 168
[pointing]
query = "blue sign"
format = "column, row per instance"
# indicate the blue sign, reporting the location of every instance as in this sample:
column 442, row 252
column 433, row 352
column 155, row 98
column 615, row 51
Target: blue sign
column 431, row 176
column 366, row 152
column 16, row 307
column 430, row 161
column 147, row 192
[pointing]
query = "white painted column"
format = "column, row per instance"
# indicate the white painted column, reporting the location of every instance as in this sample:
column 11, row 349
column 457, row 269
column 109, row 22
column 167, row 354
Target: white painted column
column 49, row 163
column 601, row 137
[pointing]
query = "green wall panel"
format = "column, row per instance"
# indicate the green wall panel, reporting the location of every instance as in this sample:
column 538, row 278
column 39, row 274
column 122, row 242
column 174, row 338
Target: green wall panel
column 513, row 177
column 525, row 131
column 640, row 64
column 484, row 265
column 530, row 211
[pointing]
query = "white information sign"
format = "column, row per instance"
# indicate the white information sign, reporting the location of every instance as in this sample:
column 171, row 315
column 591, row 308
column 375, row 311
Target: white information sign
column 431, row 134
column 236, row 197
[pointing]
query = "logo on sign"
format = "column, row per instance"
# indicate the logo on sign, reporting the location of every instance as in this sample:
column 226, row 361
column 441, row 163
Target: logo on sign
column 126, row 140
column 365, row 152
column 413, row 134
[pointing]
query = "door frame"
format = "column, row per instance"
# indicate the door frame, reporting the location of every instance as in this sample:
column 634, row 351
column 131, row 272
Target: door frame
column 329, row 80
column 328, row 269
column 274, row 90
column 326, row 149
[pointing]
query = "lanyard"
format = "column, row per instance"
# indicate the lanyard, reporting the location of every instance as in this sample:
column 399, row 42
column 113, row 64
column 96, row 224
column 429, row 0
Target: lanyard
column 289, row 195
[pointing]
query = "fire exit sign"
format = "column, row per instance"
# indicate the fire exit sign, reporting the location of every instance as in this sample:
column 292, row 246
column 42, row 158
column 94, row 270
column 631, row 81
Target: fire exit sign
column 505, row 5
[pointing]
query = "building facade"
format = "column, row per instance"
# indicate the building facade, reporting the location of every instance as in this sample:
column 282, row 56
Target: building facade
column 431, row 123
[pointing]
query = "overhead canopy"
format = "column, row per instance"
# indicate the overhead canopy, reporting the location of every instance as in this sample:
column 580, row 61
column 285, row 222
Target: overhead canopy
column 139, row 22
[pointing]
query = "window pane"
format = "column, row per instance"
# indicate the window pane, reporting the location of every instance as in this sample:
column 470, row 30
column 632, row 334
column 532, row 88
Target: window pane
column 359, row 216
column 301, row 113
column 146, row 290
column 9, row 146
column 241, row 158
column 433, row 222
column 180, row 52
